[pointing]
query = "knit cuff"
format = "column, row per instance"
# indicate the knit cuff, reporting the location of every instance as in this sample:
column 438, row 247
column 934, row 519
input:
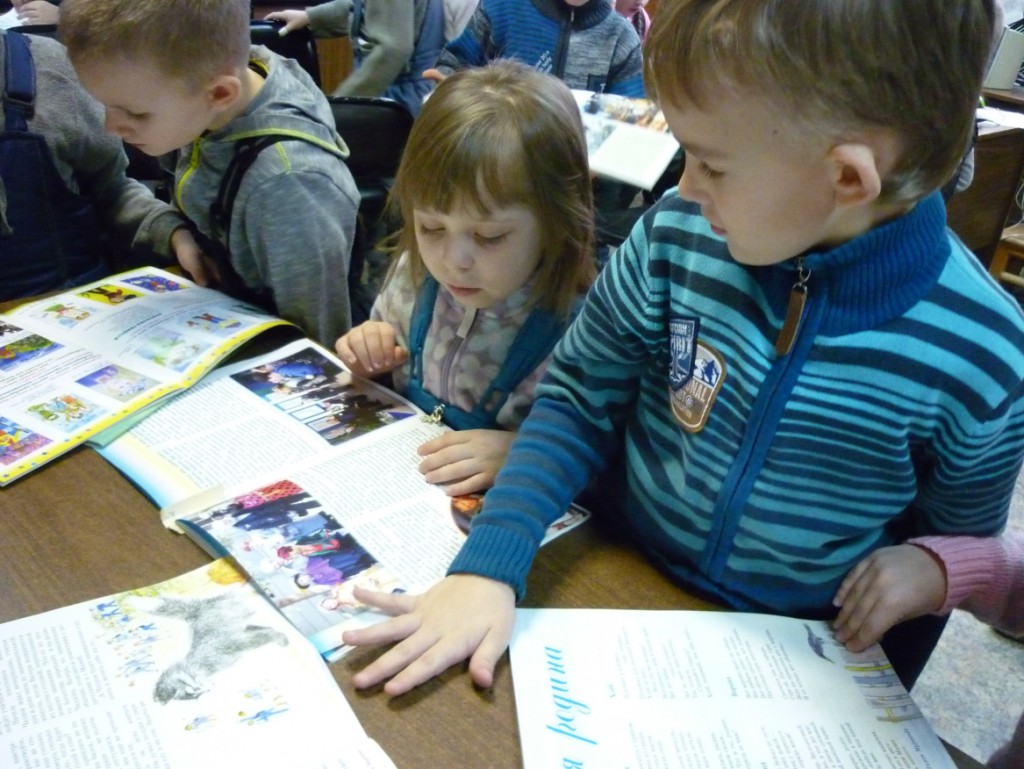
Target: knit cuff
column 972, row 565
column 498, row 553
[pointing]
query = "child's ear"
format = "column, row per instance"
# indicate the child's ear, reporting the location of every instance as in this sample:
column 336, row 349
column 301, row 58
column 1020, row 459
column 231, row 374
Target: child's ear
column 854, row 173
column 223, row 91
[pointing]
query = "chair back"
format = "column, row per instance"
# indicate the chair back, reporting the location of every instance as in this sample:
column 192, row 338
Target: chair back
column 375, row 130
column 298, row 44
column 978, row 214
column 42, row 30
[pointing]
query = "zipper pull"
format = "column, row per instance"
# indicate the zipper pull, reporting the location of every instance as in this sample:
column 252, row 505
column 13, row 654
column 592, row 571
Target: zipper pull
column 434, row 417
column 794, row 311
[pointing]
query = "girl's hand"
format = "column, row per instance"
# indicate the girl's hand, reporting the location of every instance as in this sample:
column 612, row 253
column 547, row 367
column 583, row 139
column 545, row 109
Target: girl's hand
column 370, row 350
column 293, row 19
column 465, row 461
column 891, row 585
column 463, row 616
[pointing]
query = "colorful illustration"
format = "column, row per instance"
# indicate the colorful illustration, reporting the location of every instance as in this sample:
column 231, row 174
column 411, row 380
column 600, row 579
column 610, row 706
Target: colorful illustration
column 118, row 382
column 65, row 314
column 20, row 351
column 155, row 283
column 16, row 442
column 170, row 349
column 322, row 396
column 110, row 294
column 211, row 323
column 302, row 559
column 66, row 411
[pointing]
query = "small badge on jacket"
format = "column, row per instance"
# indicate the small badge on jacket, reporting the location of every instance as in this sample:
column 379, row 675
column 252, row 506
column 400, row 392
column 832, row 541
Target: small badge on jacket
column 696, row 373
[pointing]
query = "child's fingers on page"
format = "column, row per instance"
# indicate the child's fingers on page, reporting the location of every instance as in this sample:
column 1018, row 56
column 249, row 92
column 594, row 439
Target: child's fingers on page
column 389, row 603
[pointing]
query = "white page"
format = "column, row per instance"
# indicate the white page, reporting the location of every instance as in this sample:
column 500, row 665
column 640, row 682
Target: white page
column 123, row 682
column 714, row 690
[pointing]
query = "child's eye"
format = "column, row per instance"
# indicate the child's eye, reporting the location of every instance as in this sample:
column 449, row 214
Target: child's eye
column 491, row 240
column 137, row 115
column 708, row 171
column 430, row 232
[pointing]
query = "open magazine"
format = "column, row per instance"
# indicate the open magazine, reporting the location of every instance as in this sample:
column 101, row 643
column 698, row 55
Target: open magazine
column 707, row 689
column 308, row 477
column 74, row 364
column 195, row 671
column 627, row 138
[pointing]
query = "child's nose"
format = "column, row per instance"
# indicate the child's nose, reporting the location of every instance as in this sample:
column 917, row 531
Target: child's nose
column 114, row 125
column 459, row 253
column 690, row 185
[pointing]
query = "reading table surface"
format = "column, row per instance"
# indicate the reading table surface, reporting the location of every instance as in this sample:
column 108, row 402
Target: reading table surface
column 75, row 530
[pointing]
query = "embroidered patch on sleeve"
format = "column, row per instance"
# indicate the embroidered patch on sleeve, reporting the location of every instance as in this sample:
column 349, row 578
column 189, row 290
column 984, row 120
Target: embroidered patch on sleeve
column 692, row 396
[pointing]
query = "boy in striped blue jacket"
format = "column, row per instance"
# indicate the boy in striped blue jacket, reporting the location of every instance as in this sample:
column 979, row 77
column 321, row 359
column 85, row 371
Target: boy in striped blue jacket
column 791, row 362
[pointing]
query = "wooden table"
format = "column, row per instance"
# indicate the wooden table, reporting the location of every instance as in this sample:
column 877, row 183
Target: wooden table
column 77, row 530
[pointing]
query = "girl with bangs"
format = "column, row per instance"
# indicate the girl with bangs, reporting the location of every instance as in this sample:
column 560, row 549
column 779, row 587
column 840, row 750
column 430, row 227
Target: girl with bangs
column 494, row 255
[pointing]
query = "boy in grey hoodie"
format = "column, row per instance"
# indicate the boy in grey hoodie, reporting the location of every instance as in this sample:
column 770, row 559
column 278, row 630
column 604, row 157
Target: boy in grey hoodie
column 181, row 74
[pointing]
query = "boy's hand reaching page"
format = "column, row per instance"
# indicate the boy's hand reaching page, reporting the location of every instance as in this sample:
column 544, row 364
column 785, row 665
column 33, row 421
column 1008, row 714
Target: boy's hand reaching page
column 192, row 259
column 465, row 461
column 891, row 585
column 463, row 616
column 370, row 350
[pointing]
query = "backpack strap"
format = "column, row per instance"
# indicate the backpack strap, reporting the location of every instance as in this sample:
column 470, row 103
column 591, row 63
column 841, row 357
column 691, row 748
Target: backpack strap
column 20, row 85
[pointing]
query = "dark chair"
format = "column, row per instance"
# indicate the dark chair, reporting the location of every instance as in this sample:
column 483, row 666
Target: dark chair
column 375, row 130
column 42, row 30
column 298, row 44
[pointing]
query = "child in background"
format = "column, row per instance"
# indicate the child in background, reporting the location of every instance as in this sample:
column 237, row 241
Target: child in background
column 496, row 252
column 584, row 43
column 788, row 365
column 634, row 12
column 69, row 214
column 981, row 575
column 181, row 74
column 393, row 43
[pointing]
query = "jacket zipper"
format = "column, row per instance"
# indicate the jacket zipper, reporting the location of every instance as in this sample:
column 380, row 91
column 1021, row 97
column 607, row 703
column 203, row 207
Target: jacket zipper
column 562, row 52
column 739, row 480
column 465, row 325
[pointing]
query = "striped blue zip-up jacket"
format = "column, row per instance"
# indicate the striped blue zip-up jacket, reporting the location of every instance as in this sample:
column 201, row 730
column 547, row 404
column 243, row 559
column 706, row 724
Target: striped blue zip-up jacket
column 758, row 477
column 590, row 47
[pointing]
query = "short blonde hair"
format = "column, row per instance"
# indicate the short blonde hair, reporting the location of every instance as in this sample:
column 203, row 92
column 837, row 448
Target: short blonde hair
column 913, row 67
column 503, row 135
column 189, row 40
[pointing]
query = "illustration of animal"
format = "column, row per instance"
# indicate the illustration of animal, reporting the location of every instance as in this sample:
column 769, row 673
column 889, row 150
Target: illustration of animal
column 219, row 634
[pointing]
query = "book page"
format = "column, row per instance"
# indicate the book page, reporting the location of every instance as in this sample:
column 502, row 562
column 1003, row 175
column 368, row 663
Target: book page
column 360, row 517
column 627, row 138
column 714, row 690
column 76, row 363
column 190, row 672
column 251, row 418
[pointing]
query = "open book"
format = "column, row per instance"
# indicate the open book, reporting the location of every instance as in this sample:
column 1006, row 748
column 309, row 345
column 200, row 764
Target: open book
column 308, row 477
column 627, row 138
column 688, row 689
column 78, row 362
column 191, row 672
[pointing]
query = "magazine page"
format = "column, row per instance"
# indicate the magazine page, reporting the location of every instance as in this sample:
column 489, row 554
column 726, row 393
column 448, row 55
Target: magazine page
column 362, row 516
column 688, row 689
column 191, row 672
column 78, row 362
column 249, row 419
column 627, row 138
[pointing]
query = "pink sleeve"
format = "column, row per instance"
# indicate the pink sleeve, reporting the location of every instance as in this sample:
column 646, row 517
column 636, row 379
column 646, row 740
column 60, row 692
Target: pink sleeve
column 984, row 576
